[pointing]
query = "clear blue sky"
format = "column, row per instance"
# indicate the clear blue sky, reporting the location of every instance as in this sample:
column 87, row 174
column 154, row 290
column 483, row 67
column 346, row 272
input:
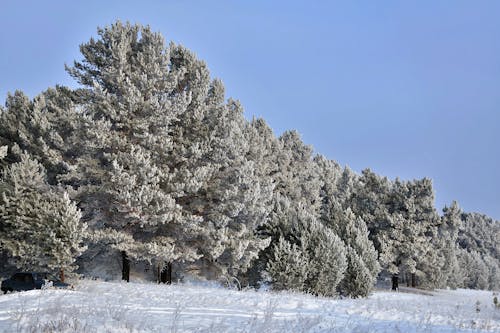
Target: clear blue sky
column 406, row 88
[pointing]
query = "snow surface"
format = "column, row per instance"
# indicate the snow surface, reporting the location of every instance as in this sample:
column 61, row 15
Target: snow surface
column 95, row 306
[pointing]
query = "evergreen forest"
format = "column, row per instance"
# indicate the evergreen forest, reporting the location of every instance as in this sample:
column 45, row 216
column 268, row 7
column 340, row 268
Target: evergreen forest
column 148, row 168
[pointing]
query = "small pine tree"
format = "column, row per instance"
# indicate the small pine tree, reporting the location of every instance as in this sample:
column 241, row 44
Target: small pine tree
column 358, row 280
column 328, row 259
column 313, row 258
column 289, row 267
column 40, row 228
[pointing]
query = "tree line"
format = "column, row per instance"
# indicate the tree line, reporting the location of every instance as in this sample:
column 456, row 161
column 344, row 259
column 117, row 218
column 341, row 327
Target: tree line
column 148, row 161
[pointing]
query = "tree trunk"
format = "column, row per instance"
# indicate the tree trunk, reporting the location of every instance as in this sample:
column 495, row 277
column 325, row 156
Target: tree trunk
column 395, row 282
column 413, row 280
column 125, row 267
column 169, row 273
column 61, row 275
column 166, row 274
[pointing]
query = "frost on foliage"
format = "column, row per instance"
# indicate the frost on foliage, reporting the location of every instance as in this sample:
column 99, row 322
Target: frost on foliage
column 165, row 168
column 129, row 102
column 212, row 176
column 328, row 259
column 319, row 260
column 402, row 222
column 289, row 267
column 362, row 264
column 42, row 127
column 3, row 151
column 363, row 267
column 167, row 157
column 41, row 227
column 296, row 188
column 447, row 245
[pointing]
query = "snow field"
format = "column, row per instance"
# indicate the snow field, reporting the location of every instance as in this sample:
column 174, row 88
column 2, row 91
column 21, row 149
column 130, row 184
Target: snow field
column 145, row 307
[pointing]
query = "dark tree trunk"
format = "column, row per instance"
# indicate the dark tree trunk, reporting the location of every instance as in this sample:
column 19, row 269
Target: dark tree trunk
column 169, row 273
column 395, row 282
column 407, row 278
column 61, row 275
column 166, row 274
column 413, row 280
column 125, row 267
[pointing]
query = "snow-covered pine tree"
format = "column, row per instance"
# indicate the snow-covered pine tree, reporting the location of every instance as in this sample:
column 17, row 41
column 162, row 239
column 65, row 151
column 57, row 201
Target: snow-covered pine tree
column 332, row 200
column 320, row 251
column 363, row 267
column 401, row 219
column 42, row 127
column 242, row 196
column 129, row 101
column 370, row 201
column 448, row 237
column 297, row 176
column 425, row 222
column 296, row 190
column 214, row 177
column 144, row 97
column 480, row 233
column 40, row 227
column 289, row 268
column 327, row 253
column 493, row 266
column 476, row 271
column 135, row 186
column 263, row 151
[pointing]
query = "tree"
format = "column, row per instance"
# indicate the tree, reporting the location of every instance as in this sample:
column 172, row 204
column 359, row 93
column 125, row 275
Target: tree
column 447, row 244
column 215, row 178
column 296, row 190
column 43, row 127
column 129, row 102
column 316, row 257
column 168, row 154
column 476, row 271
column 40, row 227
column 290, row 266
column 363, row 267
column 370, row 201
column 327, row 253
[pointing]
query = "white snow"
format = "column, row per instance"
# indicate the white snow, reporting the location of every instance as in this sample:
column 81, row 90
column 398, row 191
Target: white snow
column 96, row 306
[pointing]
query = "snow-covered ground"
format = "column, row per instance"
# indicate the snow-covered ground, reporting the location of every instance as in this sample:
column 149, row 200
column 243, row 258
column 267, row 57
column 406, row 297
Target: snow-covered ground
column 144, row 307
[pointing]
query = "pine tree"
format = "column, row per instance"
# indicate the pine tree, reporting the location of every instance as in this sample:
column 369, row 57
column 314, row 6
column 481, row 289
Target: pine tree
column 219, row 183
column 328, row 261
column 370, row 201
column 321, row 253
column 362, row 265
column 358, row 280
column 296, row 190
column 448, row 237
column 43, row 127
column 129, row 102
column 476, row 271
column 168, row 154
column 290, row 266
column 40, row 227
column 263, row 148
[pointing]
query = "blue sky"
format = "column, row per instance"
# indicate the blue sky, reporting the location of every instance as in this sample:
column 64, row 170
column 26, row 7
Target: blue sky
column 410, row 89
